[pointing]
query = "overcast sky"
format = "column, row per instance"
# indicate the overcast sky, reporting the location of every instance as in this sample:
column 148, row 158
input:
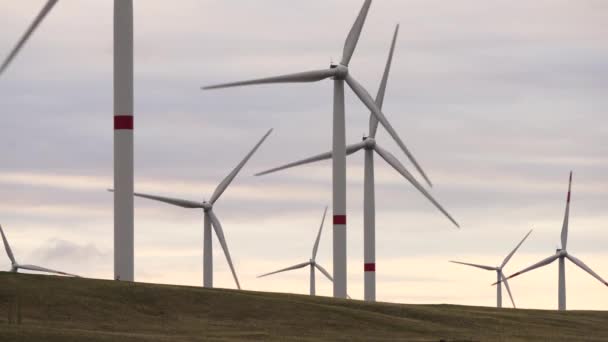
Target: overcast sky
column 498, row 101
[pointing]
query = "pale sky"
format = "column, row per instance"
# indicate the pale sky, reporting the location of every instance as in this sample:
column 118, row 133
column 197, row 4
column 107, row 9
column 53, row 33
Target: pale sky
column 498, row 101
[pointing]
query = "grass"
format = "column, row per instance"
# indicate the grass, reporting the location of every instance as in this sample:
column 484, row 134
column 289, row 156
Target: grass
column 72, row 309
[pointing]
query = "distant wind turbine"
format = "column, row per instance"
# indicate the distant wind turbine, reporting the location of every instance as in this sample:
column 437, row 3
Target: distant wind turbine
column 210, row 219
column 123, row 128
column 562, row 254
column 369, row 145
column 312, row 262
column 339, row 73
column 499, row 273
column 15, row 266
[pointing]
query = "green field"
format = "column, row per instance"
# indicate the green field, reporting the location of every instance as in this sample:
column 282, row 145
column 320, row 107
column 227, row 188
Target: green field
column 68, row 309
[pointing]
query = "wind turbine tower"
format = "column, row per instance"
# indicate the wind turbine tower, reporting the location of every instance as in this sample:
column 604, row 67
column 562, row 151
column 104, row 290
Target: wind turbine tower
column 123, row 127
column 123, row 141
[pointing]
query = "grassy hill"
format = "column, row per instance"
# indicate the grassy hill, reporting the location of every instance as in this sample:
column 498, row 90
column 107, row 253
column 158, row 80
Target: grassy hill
column 68, row 309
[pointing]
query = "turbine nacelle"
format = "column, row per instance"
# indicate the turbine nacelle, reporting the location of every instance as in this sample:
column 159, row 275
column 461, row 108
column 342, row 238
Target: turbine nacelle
column 561, row 252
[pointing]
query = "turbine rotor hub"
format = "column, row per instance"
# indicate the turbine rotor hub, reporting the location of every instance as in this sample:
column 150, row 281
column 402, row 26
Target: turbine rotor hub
column 370, row 143
column 207, row 206
column 340, row 71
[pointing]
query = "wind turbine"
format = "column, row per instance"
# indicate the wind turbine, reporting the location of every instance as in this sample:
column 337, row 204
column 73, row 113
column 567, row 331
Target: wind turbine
column 340, row 73
column 562, row 254
column 123, row 128
column 369, row 145
column 312, row 262
column 210, row 219
column 15, row 266
column 500, row 276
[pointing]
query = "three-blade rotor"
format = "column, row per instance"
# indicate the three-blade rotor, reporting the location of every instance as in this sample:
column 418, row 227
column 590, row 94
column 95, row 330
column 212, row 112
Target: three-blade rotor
column 312, row 262
column 208, row 206
column 562, row 253
column 370, row 142
column 341, row 72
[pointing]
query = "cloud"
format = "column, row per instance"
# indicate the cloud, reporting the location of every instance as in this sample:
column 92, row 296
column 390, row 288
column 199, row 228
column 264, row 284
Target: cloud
column 57, row 250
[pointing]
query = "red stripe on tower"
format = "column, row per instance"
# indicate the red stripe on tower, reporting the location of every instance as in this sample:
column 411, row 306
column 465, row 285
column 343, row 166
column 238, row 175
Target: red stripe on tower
column 123, row 122
column 568, row 199
column 369, row 267
column 339, row 219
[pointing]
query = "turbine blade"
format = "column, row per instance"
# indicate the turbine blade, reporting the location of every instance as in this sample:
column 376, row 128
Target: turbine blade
column 391, row 160
column 323, row 156
column 316, row 247
column 44, row 269
column 586, row 268
column 324, row 271
column 300, row 77
column 224, row 184
column 174, row 201
column 489, row 268
column 541, row 263
column 355, row 32
column 41, row 15
column 373, row 122
column 7, row 247
column 294, row 267
column 371, row 105
column 504, row 280
column 220, row 236
column 566, row 216
column 514, row 250
column 318, row 157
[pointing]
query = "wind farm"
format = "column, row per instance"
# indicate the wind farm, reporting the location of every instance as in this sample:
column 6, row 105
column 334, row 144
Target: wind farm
column 561, row 254
column 482, row 110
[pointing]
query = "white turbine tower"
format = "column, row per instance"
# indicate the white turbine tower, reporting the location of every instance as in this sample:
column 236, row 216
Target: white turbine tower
column 369, row 145
column 339, row 73
column 500, row 276
column 562, row 254
column 210, row 219
column 123, row 128
column 123, row 141
column 15, row 266
column 312, row 262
